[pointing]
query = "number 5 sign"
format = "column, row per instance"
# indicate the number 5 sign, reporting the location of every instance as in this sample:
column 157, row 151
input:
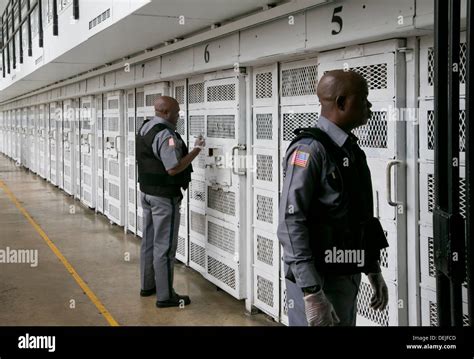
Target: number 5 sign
column 337, row 19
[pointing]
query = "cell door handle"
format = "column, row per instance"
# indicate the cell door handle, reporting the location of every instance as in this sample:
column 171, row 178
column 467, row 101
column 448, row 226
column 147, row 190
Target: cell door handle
column 377, row 204
column 388, row 174
column 234, row 171
column 117, row 148
column 89, row 140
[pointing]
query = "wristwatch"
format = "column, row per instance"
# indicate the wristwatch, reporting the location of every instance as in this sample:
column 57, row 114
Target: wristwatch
column 311, row 290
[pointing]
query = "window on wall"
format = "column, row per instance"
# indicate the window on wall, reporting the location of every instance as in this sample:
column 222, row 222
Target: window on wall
column 34, row 22
column 1, row 58
column 24, row 32
column 10, row 46
column 17, row 48
column 16, row 19
column 24, row 8
column 47, row 11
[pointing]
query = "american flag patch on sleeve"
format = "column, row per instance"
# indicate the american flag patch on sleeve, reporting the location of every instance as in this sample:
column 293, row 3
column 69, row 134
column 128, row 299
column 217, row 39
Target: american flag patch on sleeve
column 300, row 158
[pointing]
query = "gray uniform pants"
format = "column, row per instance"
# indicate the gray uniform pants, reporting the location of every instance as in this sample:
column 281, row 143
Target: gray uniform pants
column 159, row 243
column 341, row 291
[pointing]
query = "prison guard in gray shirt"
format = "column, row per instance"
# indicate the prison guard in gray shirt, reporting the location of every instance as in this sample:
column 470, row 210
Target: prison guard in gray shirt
column 307, row 169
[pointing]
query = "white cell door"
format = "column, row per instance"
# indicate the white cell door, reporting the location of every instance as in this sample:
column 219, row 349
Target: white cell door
column 383, row 141
column 77, row 131
column 225, row 182
column 32, row 140
column 6, row 115
column 68, row 146
column 114, row 157
column 140, row 118
column 59, row 120
column 2, row 132
column 427, row 178
column 99, row 153
column 265, row 171
column 54, row 144
column 18, row 137
column 47, row 141
column 12, row 116
column 197, row 188
column 130, row 163
column 41, row 133
column 179, row 93
column 87, row 151
column 5, row 132
column 11, row 137
column 24, row 148
column 217, row 215
column 21, row 134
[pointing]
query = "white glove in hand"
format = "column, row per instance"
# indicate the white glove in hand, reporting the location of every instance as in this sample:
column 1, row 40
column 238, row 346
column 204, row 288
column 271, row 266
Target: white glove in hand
column 200, row 142
column 379, row 299
column 319, row 311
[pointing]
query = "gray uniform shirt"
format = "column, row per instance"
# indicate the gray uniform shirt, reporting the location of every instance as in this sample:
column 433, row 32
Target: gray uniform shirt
column 308, row 172
column 167, row 147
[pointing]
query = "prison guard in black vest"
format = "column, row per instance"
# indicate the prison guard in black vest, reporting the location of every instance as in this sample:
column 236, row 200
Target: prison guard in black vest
column 152, row 175
column 344, row 226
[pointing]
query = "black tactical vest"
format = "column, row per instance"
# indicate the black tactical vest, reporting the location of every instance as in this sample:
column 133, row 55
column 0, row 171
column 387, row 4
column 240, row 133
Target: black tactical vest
column 350, row 224
column 152, row 175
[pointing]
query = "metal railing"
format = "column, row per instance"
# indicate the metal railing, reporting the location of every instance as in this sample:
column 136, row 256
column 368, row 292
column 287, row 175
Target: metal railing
column 9, row 29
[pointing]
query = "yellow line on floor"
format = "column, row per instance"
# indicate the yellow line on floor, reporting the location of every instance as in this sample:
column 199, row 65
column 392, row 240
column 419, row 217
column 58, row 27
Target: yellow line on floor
column 61, row 257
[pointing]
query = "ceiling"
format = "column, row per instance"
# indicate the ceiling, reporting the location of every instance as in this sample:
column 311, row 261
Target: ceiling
column 148, row 26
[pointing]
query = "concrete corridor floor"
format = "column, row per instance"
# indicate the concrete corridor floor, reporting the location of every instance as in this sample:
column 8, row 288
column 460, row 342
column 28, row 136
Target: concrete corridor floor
column 94, row 251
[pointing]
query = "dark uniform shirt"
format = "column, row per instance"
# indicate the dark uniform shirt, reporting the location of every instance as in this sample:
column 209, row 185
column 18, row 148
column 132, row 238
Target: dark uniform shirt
column 309, row 174
column 167, row 147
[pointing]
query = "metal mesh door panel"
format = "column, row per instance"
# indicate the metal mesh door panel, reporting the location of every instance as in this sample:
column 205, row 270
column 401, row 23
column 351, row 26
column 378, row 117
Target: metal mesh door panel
column 266, row 251
column 378, row 70
column 222, row 237
column 223, row 203
column 222, row 93
column 298, row 82
column 265, row 125
column 197, row 192
column 225, row 273
column 296, row 117
column 364, row 310
column 427, row 69
column 196, row 93
column 115, row 152
column 426, row 132
column 197, row 222
column 265, row 86
column 266, row 292
column 266, row 168
column 265, row 209
column 427, row 188
column 197, row 254
column 283, row 303
column 221, row 126
column 182, row 249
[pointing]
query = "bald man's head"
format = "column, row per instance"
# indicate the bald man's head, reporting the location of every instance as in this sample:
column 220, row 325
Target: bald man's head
column 167, row 108
column 343, row 98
